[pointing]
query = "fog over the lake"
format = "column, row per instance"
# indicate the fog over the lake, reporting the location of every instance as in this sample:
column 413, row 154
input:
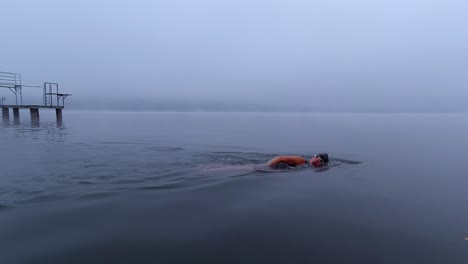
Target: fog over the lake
column 330, row 55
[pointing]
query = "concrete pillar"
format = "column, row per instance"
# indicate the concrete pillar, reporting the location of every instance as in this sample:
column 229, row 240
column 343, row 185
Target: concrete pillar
column 6, row 114
column 34, row 114
column 58, row 113
column 16, row 116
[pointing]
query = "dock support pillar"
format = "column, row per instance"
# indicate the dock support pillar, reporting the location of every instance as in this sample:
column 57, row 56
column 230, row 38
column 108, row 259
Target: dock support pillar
column 6, row 114
column 34, row 114
column 16, row 115
column 58, row 113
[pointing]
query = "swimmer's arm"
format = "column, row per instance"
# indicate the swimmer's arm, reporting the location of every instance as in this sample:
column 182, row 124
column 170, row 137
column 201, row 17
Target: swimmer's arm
column 290, row 160
column 274, row 161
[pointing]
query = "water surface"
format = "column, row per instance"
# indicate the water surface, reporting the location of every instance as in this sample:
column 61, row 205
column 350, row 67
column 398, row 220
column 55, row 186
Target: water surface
column 124, row 187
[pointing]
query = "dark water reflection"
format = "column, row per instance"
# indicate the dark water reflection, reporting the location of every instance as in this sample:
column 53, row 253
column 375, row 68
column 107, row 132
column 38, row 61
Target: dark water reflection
column 34, row 125
column 178, row 188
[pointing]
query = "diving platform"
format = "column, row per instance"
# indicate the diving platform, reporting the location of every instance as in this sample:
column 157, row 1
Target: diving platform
column 51, row 97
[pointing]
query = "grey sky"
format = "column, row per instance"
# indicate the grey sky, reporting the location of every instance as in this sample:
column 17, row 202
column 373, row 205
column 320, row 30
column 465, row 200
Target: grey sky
column 330, row 53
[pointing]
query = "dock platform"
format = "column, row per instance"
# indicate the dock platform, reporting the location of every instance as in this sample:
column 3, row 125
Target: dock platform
column 32, row 106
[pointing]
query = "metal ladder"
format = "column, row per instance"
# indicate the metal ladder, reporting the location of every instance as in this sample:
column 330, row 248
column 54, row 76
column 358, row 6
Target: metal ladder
column 50, row 89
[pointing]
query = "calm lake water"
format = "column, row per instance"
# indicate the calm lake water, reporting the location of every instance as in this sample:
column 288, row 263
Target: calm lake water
column 120, row 187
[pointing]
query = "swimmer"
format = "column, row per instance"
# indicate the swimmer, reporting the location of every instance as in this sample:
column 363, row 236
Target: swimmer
column 321, row 162
column 318, row 160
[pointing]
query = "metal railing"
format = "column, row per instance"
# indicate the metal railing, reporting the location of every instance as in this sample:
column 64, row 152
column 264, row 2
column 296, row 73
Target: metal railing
column 51, row 96
column 10, row 79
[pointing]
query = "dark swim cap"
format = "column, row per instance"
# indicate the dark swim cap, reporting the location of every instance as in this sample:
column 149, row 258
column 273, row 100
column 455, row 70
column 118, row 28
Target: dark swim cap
column 324, row 157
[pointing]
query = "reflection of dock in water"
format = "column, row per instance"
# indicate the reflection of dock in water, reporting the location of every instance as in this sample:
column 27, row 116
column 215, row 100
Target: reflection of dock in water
column 51, row 98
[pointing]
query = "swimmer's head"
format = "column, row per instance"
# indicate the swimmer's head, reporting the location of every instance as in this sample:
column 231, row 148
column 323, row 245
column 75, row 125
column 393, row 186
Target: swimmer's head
column 319, row 160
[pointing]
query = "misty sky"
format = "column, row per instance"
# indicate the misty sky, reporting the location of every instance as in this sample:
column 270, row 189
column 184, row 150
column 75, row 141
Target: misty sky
column 364, row 54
